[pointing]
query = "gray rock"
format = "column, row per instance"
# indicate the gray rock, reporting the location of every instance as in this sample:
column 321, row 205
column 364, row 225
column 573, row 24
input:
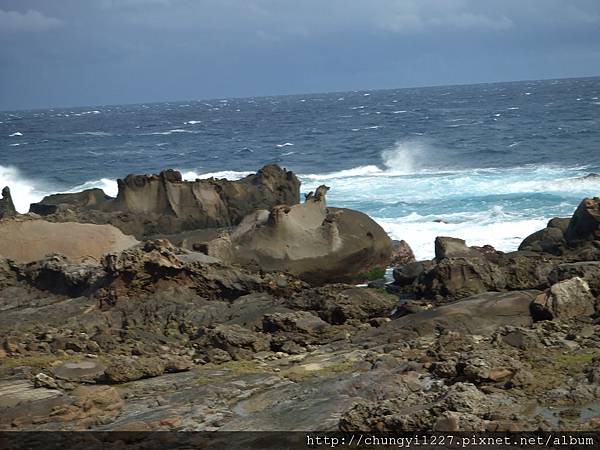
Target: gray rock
column 7, row 207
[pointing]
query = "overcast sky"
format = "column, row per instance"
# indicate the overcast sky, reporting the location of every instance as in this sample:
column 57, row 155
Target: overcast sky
column 88, row 52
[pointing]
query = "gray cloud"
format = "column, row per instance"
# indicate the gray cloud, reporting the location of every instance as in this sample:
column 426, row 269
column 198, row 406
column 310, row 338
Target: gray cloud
column 116, row 51
column 29, row 21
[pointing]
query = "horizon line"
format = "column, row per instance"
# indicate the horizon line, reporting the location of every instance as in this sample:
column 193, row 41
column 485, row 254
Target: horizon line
column 155, row 102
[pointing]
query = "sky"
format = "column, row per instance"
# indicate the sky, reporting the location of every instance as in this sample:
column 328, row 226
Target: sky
column 94, row 52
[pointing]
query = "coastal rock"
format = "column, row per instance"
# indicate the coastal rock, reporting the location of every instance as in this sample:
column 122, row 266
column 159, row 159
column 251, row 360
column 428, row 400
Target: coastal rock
column 60, row 276
column 149, row 205
column 402, row 254
column 89, row 198
column 338, row 304
column 480, row 314
column 238, row 341
column 550, row 239
column 585, row 223
column 460, row 408
column 7, row 207
column 31, row 239
column 589, row 271
column 568, row 298
column 449, row 247
column 300, row 321
column 407, row 274
column 452, row 278
column 313, row 242
column 125, row 369
column 157, row 265
column 80, row 371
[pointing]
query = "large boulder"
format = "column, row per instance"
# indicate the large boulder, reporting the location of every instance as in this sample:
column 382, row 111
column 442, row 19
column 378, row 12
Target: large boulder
column 589, row 271
column 568, row 298
column 550, row 239
column 148, row 205
column 402, row 254
column 585, row 223
column 7, row 207
column 453, row 278
column 309, row 240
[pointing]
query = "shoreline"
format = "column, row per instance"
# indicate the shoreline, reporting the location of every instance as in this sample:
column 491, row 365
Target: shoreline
column 237, row 307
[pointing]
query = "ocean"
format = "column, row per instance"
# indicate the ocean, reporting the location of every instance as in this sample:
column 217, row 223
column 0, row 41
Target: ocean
column 489, row 163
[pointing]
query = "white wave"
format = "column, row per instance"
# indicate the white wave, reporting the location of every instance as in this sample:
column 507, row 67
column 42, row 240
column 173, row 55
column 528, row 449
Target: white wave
column 399, row 160
column 23, row 191
column 94, row 133
column 399, row 111
column 483, row 229
column 287, row 144
column 228, row 174
column 192, row 122
column 17, row 144
column 361, row 171
column 287, row 153
column 513, row 108
column 374, row 127
column 167, row 133
column 15, row 134
column 108, row 185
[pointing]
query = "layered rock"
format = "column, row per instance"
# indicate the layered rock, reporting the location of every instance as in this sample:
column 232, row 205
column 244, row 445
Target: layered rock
column 165, row 204
column 309, row 240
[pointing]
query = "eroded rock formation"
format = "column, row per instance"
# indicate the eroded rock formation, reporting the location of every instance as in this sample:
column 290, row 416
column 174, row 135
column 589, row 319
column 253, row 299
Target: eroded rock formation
column 316, row 243
column 165, row 204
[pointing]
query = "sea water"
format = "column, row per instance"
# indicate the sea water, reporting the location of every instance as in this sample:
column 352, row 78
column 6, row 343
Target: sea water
column 489, row 163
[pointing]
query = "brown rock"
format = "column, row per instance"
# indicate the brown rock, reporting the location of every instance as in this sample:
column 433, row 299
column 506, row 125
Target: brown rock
column 313, row 242
column 402, row 254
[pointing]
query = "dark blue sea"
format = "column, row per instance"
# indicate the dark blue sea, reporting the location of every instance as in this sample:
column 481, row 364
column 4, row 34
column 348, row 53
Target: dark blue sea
column 490, row 163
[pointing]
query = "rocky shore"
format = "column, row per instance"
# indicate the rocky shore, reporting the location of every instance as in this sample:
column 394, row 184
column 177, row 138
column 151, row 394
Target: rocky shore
column 231, row 305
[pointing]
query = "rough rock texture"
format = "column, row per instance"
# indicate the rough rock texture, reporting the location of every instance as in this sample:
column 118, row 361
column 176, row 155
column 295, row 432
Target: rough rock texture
column 31, row 239
column 568, row 298
column 402, row 254
column 165, row 204
column 160, row 338
column 7, row 207
column 585, row 223
column 479, row 314
column 449, row 247
column 309, row 240
column 459, row 277
column 550, row 239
